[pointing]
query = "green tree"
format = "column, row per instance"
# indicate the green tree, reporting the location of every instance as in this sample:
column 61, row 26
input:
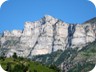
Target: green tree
column 17, row 68
column 25, row 68
column 8, row 67
column 14, row 56
column 35, row 70
column 54, row 67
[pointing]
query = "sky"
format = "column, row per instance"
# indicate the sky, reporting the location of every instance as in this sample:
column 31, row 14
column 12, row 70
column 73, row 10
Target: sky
column 14, row 13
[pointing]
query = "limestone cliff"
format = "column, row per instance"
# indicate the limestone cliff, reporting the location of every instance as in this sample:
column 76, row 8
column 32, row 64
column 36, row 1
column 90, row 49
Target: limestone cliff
column 46, row 36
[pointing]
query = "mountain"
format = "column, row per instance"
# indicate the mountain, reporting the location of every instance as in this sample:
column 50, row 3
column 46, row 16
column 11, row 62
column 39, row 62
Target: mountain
column 45, row 36
column 71, row 60
column 52, row 41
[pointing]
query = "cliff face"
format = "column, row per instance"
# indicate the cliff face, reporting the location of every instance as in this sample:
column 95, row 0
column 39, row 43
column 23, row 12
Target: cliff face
column 45, row 36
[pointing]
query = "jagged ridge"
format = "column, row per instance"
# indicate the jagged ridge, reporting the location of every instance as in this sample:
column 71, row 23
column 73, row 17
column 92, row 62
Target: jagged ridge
column 45, row 36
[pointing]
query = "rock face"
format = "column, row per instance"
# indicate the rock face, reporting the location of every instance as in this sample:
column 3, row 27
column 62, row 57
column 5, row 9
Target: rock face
column 47, row 35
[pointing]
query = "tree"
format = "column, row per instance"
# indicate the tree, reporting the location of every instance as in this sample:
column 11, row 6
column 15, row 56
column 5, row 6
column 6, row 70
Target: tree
column 54, row 67
column 20, row 68
column 8, row 67
column 35, row 70
column 14, row 56
column 17, row 68
column 2, row 58
column 25, row 69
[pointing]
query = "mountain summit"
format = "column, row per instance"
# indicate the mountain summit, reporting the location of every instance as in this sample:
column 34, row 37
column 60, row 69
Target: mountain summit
column 45, row 36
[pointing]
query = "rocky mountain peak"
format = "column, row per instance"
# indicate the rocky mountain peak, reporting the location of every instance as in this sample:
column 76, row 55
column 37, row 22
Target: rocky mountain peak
column 48, row 17
column 45, row 36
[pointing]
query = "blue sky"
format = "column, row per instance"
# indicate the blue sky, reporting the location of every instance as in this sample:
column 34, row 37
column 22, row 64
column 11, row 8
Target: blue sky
column 14, row 13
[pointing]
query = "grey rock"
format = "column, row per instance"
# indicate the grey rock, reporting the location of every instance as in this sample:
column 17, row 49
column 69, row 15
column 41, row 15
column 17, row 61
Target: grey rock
column 46, row 36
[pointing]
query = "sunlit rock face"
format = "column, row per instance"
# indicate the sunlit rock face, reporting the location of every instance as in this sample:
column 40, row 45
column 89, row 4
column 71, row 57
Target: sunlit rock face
column 45, row 36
